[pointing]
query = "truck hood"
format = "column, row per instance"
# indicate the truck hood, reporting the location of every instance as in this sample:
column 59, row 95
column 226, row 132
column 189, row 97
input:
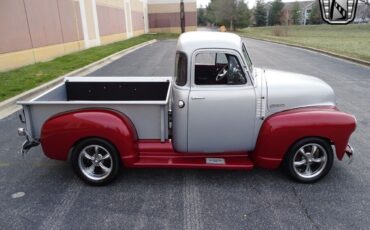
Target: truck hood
column 287, row 90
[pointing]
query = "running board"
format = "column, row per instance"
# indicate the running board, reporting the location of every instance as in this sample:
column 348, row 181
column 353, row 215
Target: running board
column 241, row 162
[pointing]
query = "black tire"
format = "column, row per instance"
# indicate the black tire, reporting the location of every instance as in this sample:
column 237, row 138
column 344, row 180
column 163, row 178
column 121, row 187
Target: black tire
column 95, row 161
column 309, row 160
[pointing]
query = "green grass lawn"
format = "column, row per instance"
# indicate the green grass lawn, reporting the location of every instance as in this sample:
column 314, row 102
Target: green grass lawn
column 19, row 80
column 349, row 40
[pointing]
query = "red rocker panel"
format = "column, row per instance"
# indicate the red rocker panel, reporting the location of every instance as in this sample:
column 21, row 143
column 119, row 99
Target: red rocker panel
column 154, row 154
column 281, row 130
column 61, row 132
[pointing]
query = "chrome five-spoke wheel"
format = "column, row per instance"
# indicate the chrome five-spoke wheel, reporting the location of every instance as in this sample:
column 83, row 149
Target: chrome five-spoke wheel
column 309, row 160
column 95, row 161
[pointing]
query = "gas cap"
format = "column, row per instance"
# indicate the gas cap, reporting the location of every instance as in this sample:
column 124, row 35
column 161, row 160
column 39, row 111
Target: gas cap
column 181, row 104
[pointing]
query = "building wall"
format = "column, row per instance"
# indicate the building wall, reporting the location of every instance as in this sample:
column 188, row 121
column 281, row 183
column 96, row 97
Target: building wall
column 137, row 14
column 36, row 30
column 164, row 15
column 39, row 30
column 111, row 21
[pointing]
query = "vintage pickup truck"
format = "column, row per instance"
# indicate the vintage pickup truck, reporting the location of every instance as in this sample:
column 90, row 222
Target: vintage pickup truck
column 217, row 112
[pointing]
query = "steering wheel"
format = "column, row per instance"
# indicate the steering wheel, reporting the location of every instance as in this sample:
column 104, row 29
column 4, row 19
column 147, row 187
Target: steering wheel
column 221, row 75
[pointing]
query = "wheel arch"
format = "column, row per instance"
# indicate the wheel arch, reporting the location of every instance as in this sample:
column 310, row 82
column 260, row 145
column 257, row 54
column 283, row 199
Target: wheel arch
column 282, row 130
column 61, row 132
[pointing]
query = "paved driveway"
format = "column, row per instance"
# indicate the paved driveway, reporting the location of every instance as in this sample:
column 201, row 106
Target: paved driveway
column 196, row 199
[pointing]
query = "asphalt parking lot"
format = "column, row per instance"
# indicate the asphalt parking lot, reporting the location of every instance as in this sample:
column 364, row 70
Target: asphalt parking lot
column 53, row 197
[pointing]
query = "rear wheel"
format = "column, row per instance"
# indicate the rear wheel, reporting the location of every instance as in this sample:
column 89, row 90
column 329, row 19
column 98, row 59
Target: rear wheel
column 95, row 161
column 309, row 160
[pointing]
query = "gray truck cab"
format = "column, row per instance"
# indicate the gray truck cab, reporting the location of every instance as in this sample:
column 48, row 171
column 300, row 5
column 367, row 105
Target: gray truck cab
column 214, row 94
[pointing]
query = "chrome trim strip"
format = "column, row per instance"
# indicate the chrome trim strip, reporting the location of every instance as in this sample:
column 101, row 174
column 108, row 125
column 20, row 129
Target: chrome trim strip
column 92, row 102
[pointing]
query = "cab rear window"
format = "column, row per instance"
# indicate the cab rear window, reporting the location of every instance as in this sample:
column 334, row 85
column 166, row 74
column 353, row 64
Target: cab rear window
column 181, row 70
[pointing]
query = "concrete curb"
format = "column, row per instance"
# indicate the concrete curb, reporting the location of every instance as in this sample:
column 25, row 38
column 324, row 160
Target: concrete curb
column 9, row 106
column 355, row 60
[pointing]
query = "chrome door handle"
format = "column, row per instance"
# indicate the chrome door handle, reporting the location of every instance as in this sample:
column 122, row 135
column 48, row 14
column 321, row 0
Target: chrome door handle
column 197, row 98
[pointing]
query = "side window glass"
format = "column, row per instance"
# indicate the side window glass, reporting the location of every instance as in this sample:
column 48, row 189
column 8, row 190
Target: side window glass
column 181, row 69
column 218, row 69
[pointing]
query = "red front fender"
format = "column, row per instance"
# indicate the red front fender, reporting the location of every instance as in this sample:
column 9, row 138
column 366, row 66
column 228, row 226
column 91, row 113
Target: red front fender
column 61, row 132
column 282, row 130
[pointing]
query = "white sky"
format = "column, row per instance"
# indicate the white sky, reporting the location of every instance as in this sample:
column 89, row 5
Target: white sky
column 251, row 3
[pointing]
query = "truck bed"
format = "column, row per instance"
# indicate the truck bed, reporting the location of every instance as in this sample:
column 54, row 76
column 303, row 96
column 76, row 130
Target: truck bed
column 145, row 100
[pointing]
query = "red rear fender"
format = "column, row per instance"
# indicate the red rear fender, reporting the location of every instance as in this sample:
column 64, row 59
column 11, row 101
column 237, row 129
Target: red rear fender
column 61, row 132
column 282, row 130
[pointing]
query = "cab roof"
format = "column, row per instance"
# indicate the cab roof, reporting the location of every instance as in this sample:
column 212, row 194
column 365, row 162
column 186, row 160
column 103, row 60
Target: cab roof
column 191, row 41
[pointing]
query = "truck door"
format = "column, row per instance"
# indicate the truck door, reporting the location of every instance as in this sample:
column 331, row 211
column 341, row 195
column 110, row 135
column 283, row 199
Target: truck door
column 222, row 105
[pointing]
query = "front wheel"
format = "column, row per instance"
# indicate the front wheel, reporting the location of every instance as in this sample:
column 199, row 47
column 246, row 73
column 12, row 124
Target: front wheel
column 309, row 160
column 95, row 161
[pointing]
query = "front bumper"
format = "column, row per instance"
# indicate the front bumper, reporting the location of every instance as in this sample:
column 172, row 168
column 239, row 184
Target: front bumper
column 349, row 152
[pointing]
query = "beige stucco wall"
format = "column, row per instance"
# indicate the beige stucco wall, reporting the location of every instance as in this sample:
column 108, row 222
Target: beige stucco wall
column 40, row 30
column 164, row 16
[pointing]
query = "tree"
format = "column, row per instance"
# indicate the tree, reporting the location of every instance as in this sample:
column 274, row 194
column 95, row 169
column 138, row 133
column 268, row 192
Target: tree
column 210, row 12
column 284, row 18
column 260, row 13
column 243, row 15
column 201, row 14
column 275, row 12
column 315, row 15
column 230, row 13
column 296, row 14
column 226, row 12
